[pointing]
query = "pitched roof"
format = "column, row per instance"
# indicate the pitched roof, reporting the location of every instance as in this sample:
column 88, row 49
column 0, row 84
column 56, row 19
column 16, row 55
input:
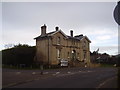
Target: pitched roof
column 70, row 37
column 46, row 35
column 77, row 37
column 60, row 32
column 50, row 34
column 86, row 38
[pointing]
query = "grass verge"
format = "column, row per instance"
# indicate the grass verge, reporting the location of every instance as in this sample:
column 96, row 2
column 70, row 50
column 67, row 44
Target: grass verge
column 107, row 65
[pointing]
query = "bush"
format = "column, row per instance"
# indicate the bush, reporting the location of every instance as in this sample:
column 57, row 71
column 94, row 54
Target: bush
column 19, row 54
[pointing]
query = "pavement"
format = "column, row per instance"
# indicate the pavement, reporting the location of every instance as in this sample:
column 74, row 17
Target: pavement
column 60, row 78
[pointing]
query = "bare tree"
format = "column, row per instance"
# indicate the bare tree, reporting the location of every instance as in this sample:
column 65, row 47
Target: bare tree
column 7, row 46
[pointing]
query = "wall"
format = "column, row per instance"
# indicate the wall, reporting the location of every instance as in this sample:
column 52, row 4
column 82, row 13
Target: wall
column 66, row 45
column 42, row 50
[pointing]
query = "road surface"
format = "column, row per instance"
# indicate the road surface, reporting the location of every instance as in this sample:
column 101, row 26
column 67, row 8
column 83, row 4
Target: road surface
column 74, row 78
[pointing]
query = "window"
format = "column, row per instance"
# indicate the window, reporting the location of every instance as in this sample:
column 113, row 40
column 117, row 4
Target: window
column 73, row 55
column 58, row 40
column 68, row 55
column 73, row 42
column 84, row 55
column 58, row 53
column 84, row 44
column 78, row 54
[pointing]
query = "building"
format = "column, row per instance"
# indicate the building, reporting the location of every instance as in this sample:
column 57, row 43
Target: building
column 55, row 46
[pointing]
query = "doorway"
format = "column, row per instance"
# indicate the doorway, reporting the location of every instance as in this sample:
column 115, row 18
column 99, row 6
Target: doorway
column 73, row 55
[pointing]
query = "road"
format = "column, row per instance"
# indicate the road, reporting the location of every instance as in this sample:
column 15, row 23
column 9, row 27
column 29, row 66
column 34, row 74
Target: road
column 74, row 78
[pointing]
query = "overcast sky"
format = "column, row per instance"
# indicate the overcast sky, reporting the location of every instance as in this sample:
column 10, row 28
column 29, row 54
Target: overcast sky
column 21, row 22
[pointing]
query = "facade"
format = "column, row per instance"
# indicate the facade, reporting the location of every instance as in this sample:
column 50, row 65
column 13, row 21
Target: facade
column 55, row 46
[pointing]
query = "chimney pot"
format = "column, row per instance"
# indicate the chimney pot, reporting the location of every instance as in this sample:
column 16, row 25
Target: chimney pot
column 56, row 28
column 71, row 33
column 43, row 29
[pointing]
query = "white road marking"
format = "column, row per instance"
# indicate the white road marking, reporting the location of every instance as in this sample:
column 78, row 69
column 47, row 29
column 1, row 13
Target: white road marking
column 68, row 72
column 18, row 73
column 57, row 72
column 33, row 72
column 89, row 71
column 53, row 74
column 72, row 73
column 100, row 85
column 45, row 73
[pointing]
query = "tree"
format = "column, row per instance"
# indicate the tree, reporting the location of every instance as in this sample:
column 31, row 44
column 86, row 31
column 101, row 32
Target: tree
column 19, row 54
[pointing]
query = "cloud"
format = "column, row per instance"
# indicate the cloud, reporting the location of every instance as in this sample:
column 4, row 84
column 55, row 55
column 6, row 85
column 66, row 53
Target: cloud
column 19, row 36
column 21, row 21
column 112, row 50
column 104, row 37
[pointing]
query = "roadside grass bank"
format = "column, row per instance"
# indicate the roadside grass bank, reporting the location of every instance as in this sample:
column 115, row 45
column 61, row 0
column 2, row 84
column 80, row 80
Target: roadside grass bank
column 107, row 65
column 46, row 67
column 33, row 67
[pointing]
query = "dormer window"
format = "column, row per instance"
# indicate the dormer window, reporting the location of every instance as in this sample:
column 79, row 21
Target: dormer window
column 58, row 40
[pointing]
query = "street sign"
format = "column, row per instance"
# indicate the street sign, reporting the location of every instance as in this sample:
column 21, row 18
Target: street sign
column 63, row 62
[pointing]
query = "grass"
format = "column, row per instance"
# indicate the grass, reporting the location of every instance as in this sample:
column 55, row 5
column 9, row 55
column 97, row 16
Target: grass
column 31, row 68
column 107, row 65
column 21, row 68
column 53, row 67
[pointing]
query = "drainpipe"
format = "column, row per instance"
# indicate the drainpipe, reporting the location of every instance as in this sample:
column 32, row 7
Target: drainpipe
column 48, row 53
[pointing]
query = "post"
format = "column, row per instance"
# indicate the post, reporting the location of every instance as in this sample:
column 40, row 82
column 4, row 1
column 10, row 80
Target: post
column 31, row 66
column 41, row 68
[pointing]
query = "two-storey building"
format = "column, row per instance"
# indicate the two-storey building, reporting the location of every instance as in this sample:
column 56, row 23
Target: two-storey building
column 52, row 47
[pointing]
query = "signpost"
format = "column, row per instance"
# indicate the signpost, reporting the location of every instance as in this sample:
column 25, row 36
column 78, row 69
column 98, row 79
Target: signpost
column 63, row 62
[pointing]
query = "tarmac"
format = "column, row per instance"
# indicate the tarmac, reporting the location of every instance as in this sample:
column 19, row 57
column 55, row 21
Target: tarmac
column 18, row 77
column 14, row 77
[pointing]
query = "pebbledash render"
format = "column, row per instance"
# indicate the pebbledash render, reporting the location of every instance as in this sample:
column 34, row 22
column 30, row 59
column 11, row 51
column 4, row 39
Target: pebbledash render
column 55, row 46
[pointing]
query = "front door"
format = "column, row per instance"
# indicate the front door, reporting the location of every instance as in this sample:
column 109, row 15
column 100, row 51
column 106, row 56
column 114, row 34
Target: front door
column 73, row 55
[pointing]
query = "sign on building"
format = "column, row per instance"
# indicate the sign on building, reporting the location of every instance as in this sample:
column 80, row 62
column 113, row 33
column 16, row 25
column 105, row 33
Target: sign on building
column 63, row 62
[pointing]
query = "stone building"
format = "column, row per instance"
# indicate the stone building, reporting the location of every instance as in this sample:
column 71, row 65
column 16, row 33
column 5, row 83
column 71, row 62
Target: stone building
column 55, row 46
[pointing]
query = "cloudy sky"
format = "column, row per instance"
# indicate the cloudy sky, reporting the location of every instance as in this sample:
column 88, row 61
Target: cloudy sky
column 21, row 22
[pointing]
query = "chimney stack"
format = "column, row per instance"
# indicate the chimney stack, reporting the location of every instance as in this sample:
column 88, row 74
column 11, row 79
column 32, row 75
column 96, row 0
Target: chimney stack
column 56, row 28
column 71, row 33
column 43, row 29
